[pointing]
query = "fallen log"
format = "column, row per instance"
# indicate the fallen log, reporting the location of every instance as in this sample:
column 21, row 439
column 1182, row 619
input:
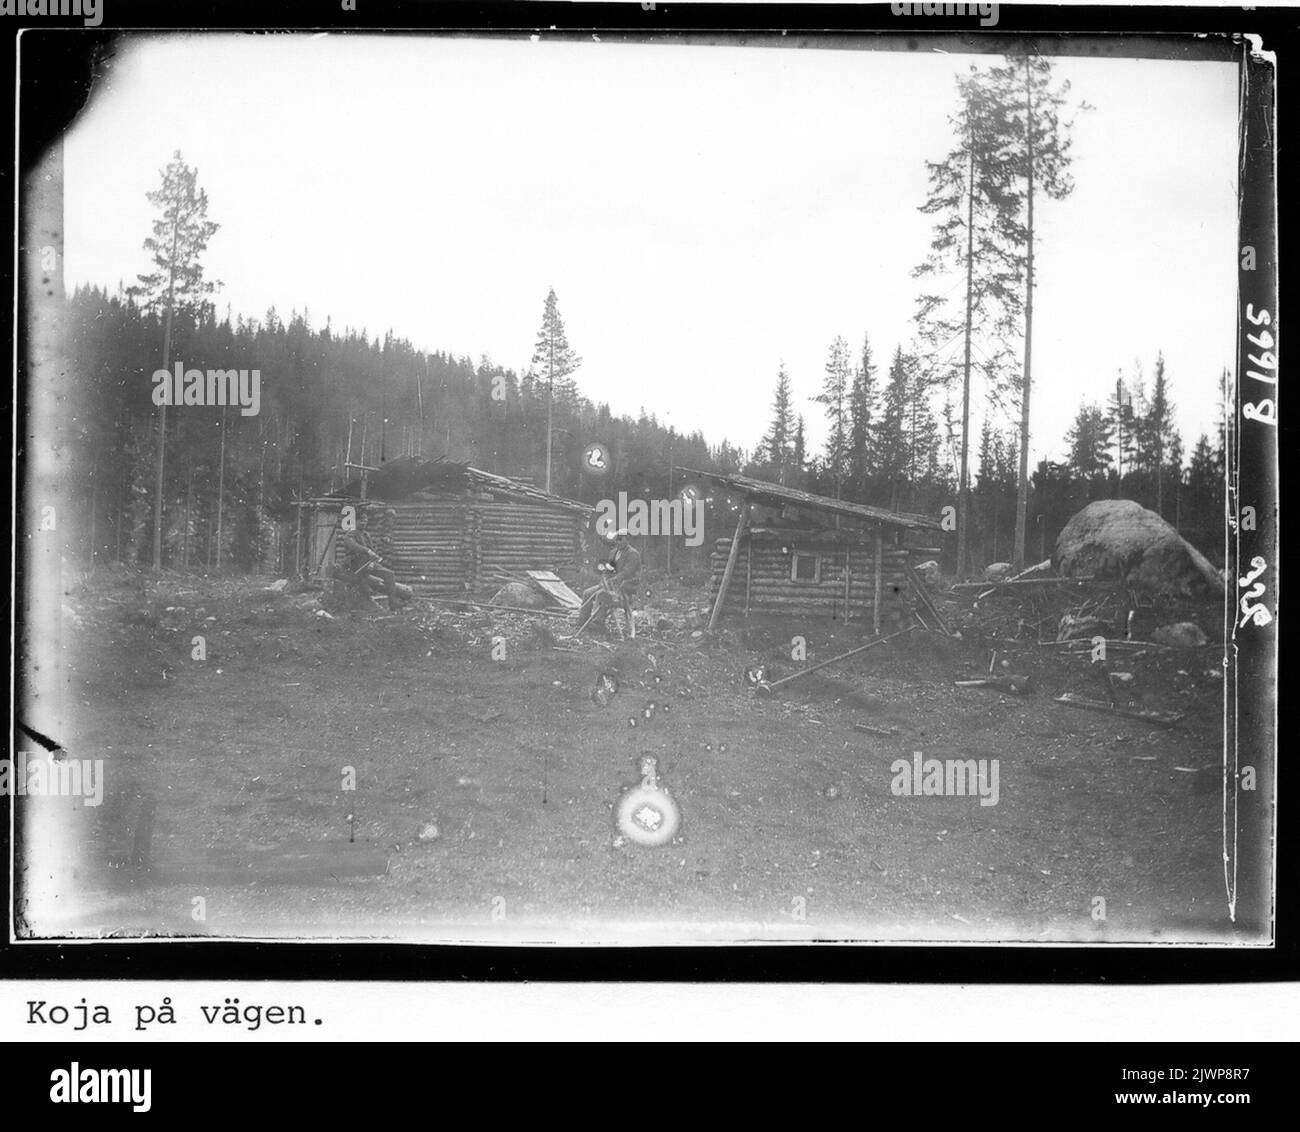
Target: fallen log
column 883, row 732
column 507, row 608
column 1017, row 685
column 1018, row 584
column 1147, row 715
column 764, row 687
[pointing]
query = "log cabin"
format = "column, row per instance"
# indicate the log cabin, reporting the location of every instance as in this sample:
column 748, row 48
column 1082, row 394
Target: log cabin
column 800, row 554
column 448, row 528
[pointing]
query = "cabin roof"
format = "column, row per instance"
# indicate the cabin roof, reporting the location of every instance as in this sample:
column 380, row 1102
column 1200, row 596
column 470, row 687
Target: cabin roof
column 397, row 480
column 776, row 495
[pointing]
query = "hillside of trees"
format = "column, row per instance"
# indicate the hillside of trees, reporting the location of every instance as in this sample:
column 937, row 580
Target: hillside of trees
column 327, row 398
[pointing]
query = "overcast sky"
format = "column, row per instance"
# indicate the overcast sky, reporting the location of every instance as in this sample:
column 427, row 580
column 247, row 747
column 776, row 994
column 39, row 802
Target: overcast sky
column 702, row 212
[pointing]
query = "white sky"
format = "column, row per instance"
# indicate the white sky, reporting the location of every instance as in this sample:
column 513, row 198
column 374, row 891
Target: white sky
column 702, row 212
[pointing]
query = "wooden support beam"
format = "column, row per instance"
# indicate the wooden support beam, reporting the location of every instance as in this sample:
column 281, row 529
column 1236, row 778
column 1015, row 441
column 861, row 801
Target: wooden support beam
column 732, row 555
column 879, row 588
column 749, row 571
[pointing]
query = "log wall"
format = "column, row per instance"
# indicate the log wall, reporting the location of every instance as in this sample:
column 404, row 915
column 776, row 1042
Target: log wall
column 762, row 579
column 453, row 547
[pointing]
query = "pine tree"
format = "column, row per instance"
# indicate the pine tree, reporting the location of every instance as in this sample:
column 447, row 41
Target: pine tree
column 1037, row 153
column 1121, row 421
column 976, row 235
column 555, row 360
column 180, row 237
column 834, row 396
column 799, row 454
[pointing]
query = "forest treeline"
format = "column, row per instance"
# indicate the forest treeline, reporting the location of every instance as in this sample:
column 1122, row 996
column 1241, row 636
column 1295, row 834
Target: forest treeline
column 328, row 398
column 890, row 445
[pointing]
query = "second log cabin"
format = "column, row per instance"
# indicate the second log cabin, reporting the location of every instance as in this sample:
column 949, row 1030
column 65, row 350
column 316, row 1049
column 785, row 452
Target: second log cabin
column 792, row 552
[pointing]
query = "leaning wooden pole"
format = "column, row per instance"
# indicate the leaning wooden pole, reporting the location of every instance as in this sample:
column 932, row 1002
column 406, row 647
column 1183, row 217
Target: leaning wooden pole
column 732, row 555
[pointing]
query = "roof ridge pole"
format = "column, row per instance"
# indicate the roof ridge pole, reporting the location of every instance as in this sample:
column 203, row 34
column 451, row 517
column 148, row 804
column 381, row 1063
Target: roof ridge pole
column 732, row 555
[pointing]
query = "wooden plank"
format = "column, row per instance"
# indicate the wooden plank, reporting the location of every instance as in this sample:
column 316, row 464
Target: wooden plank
column 1147, row 715
column 732, row 555
column 923, row 595
column 765, row 688
column 552, row 584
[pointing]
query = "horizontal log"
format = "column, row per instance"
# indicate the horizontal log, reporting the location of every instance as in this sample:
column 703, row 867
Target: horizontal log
column 1021, row 584
column 526, row 521
column 818, row 606
column 768, row 552
column 784, row 585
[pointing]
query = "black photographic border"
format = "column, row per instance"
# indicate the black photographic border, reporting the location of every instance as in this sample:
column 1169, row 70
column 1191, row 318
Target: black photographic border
column 57, row 67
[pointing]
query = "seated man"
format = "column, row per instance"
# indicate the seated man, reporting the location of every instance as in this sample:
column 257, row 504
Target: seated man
column 361, row 564
column 614, row 590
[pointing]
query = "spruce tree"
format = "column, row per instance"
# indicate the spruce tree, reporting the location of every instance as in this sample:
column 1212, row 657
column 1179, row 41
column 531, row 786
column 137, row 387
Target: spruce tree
column 834, row 396
column 862, row 403
column 777, row 443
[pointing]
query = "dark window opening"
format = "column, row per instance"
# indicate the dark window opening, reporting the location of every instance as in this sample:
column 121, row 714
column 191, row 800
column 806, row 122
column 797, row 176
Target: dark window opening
column 805, row 567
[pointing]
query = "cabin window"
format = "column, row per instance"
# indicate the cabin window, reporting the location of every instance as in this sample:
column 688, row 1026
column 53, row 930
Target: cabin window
column 805, row 567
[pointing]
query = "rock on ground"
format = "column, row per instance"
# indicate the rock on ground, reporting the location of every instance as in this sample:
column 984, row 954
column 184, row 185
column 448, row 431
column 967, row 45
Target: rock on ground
column 997, row 571
column 1184, row 635
column 519, row 594
column 1117, row 538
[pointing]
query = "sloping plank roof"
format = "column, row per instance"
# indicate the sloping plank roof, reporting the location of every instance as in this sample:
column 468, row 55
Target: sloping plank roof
column 775, row 495
column 400, row 478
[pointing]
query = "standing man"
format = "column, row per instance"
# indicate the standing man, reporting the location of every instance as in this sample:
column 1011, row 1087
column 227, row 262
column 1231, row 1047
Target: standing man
column 362, row 562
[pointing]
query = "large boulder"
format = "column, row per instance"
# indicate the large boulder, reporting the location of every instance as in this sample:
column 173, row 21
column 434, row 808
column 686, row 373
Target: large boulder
column 998, row 571
column 1117, row 538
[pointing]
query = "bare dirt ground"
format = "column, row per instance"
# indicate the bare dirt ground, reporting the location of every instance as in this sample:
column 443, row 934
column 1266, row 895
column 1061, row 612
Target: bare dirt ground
column 790, row 827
